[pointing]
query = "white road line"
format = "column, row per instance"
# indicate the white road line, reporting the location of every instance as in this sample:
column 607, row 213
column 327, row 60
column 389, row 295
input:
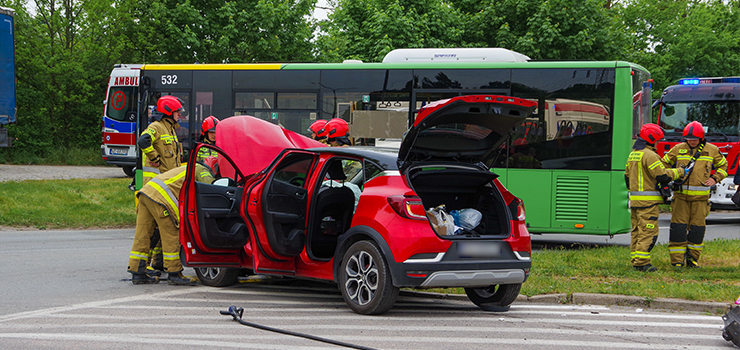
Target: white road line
column 93, row 304
column 192, row 340
column 531, row 331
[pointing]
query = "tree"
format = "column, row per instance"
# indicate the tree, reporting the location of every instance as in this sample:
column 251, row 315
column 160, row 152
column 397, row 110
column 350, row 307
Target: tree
column 546, row 29
column 686, row 38
column 63, row 55
column 369, row 29
column 210, row 31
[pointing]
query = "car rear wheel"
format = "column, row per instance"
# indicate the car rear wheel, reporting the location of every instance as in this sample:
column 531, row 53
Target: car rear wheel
column 217, row 276
column 365, row 280
column 497, row 297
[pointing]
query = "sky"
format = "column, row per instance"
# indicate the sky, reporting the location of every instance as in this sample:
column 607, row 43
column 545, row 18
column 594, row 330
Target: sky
column 320, row 12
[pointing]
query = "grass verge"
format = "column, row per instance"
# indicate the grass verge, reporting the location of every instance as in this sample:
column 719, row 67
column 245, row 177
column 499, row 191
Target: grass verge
column 67, row 203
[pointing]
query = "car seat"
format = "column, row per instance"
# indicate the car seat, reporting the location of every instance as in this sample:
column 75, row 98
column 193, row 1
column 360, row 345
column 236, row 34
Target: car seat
column 332, row 210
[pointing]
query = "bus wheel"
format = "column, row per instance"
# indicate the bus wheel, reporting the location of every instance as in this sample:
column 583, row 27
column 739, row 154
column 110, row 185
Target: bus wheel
column 129, row 170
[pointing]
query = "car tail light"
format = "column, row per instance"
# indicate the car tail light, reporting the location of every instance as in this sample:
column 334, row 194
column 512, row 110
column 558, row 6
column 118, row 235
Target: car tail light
column 520, row 210
column 409, row 207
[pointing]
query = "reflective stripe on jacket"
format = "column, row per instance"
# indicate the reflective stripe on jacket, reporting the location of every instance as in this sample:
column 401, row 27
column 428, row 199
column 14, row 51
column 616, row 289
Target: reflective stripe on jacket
column 710, row 158
column 642, row 168
column 159, row 142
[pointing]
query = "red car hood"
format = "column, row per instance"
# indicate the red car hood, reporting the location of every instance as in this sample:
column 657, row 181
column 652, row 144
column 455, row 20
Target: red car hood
column 254, row 143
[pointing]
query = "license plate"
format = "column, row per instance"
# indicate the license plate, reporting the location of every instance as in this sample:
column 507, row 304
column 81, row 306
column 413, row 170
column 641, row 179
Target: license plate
column 479, row 249
column 119, row 151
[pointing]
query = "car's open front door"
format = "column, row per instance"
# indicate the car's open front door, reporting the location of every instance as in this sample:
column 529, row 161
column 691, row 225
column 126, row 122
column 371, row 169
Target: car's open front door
column 213, row 233
column 278, row 211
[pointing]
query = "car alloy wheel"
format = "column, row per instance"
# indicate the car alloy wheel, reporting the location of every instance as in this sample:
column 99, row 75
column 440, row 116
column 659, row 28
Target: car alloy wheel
column 365, row 280
column 217, row 276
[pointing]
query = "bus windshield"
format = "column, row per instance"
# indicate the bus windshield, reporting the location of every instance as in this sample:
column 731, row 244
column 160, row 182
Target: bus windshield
column 719, row 118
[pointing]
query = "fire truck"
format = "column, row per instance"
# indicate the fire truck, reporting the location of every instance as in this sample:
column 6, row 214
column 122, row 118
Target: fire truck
column 715, row 103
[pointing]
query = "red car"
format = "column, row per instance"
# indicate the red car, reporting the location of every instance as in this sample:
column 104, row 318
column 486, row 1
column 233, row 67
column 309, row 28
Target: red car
column 286, row 205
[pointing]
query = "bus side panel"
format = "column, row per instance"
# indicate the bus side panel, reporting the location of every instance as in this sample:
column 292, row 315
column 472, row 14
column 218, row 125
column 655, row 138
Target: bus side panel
column 578, row 201
column 535, row 191
column 7, row 71
column 619, row 213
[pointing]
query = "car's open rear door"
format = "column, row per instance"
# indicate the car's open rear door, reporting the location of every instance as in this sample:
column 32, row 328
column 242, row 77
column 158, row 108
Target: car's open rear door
column 277, row 209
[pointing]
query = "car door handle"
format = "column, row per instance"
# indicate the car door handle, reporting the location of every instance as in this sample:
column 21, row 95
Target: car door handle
column 300, row 195
column 230, row 193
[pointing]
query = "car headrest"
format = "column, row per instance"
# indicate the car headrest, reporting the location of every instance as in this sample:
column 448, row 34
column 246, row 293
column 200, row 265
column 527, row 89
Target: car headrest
column 335, row 171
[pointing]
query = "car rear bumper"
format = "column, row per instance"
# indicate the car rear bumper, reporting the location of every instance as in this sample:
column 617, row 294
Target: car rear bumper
column 449, row 274
column 475, row 278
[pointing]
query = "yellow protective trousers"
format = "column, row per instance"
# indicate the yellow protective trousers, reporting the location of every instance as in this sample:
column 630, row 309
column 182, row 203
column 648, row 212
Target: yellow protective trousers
column 688, row 225
column 150, row 215
column 644, row 234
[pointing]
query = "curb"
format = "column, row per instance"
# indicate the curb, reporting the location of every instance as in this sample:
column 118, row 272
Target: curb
column 716, row 308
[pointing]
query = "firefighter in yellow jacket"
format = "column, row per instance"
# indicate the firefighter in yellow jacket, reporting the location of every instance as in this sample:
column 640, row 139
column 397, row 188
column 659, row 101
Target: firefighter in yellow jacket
column 161, row 152
column 158, row 208
column 696, row 158
column 208, row 136
column 643, row 172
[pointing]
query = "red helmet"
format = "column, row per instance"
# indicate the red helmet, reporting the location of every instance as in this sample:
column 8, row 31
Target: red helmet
column 651, row 133
column 693, row 131
column 169, row 104
column 209, row 124
column 317, row 126
column 336, row 127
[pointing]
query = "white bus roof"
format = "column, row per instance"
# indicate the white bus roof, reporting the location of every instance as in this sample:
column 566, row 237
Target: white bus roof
column 488, row 54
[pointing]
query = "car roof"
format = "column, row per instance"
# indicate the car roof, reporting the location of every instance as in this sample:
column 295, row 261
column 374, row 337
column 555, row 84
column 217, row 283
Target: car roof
column 386, row 158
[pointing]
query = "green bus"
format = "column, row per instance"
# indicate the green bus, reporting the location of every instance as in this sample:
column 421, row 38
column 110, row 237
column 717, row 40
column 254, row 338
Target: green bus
column 566, row 161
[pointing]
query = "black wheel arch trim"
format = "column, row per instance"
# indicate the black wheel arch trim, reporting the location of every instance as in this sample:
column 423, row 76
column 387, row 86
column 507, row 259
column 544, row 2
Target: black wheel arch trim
column 359, row 233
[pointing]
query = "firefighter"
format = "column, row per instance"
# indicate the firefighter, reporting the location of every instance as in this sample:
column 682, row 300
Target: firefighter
column 695, row 158
column 644, row 170
column 316, row 128
column 161, row 152
column 208, row 136
column 158, row 208
column 336, row 133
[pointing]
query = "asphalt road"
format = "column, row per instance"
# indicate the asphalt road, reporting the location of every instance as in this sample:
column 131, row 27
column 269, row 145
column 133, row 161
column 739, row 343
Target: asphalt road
column 70, row 290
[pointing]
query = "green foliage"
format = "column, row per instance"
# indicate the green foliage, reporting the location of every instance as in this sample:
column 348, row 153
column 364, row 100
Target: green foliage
column 553, row 29
column 680, row 39
column 205, row 31
column 67, row 203
column 369, row 29
column 56, row 156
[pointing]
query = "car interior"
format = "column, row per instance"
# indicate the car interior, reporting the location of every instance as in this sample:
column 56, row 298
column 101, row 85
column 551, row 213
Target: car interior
column 333, row 206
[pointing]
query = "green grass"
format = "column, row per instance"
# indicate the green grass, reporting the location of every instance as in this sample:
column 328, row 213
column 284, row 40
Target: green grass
column 55, row 156
column 67, row 203
column 607, row 270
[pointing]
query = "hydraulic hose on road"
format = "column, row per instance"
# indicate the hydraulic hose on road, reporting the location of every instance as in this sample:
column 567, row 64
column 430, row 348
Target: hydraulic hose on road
column 237, row 312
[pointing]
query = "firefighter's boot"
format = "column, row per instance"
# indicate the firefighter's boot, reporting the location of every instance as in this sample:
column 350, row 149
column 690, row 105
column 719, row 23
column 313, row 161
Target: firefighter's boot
column 646, row 268
column 691, row 261
column 143, row 278
column 152, row 272
column 177, row 279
